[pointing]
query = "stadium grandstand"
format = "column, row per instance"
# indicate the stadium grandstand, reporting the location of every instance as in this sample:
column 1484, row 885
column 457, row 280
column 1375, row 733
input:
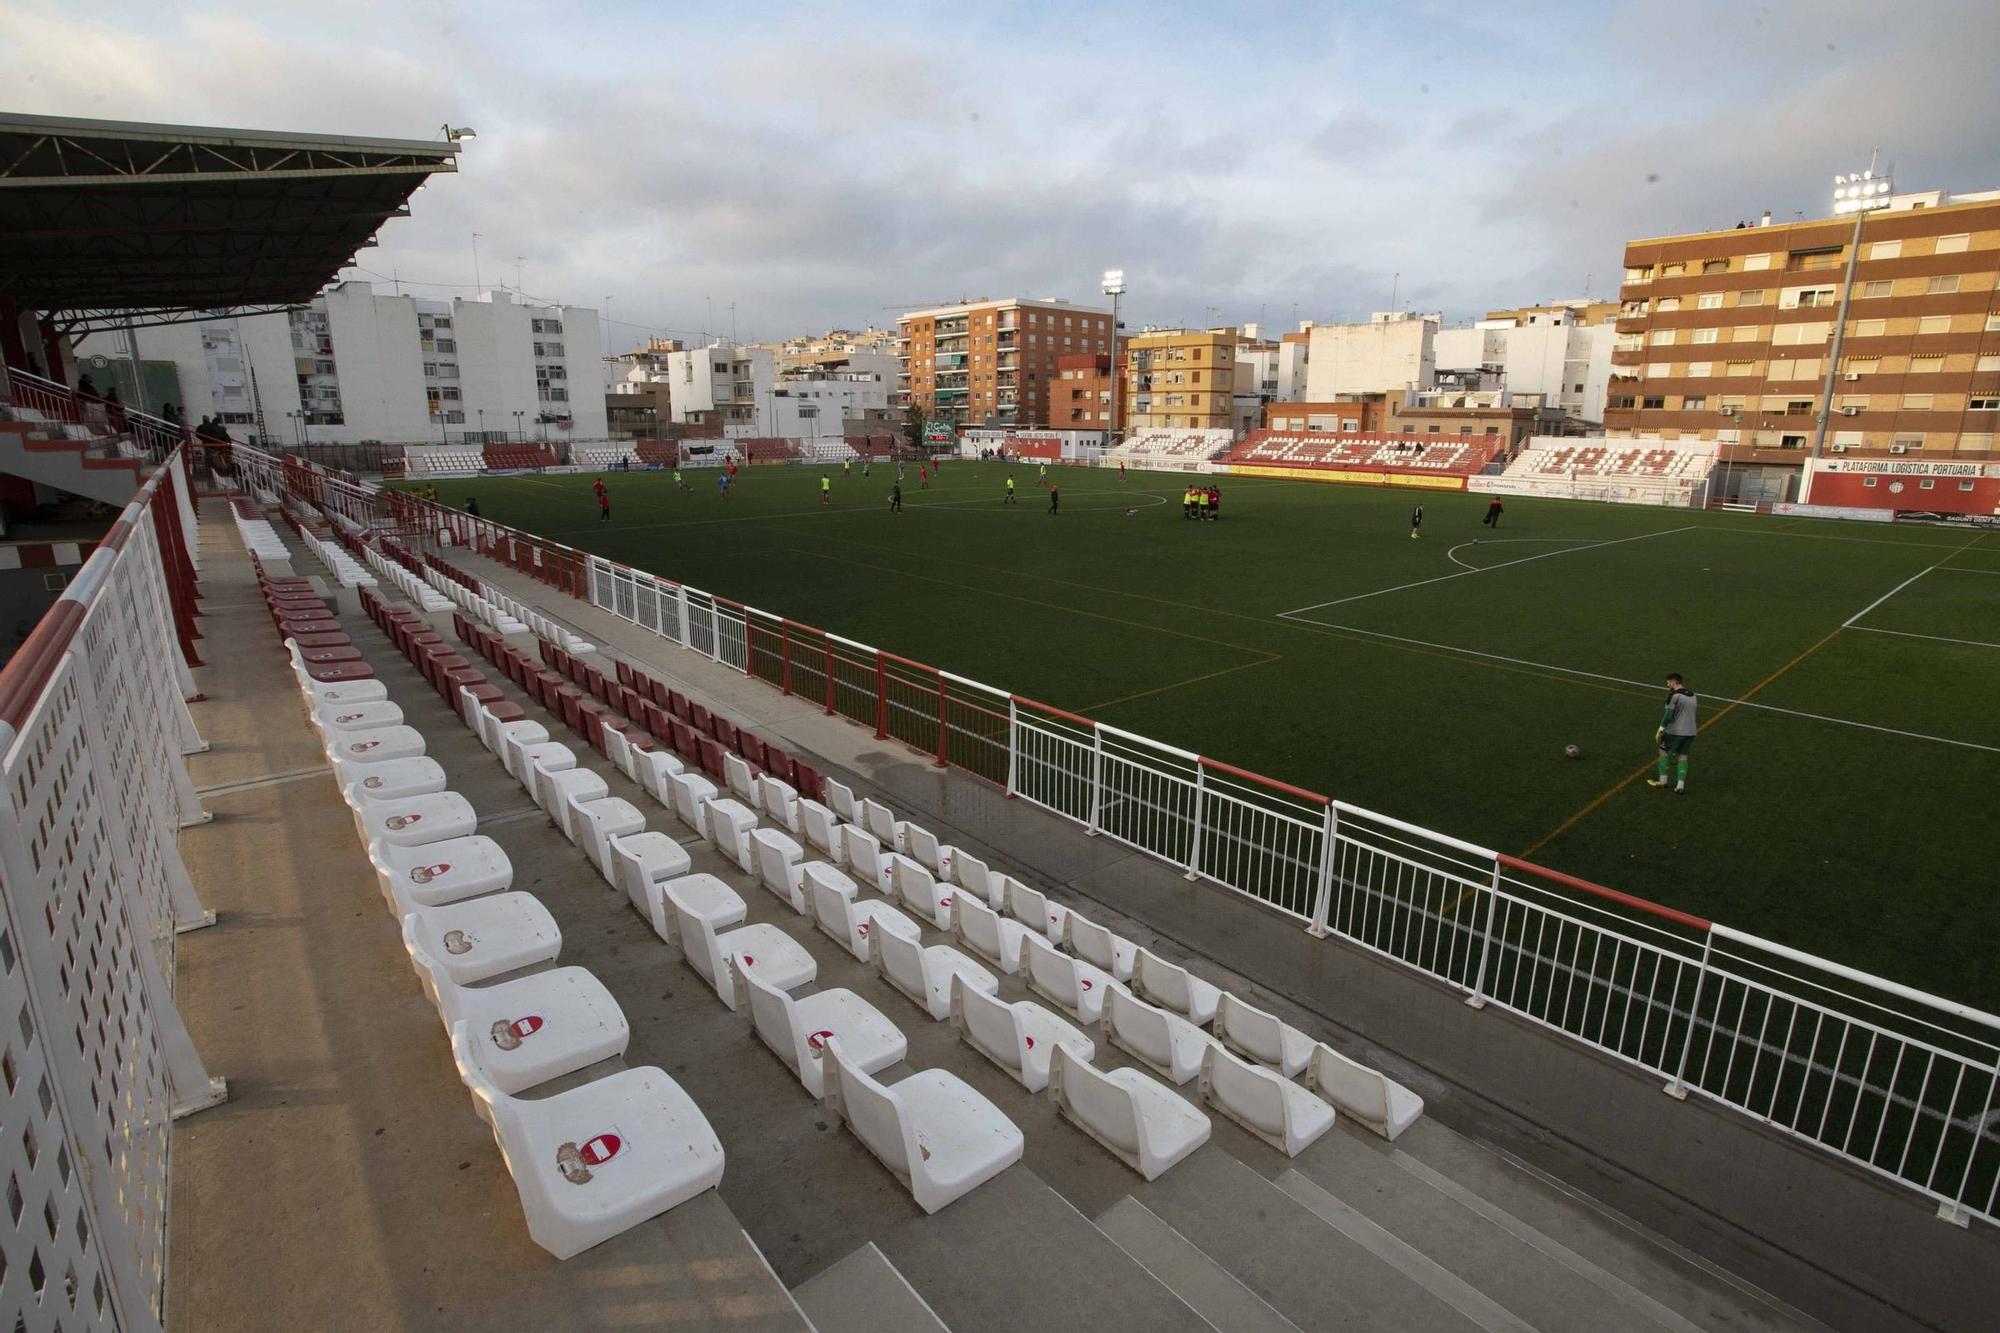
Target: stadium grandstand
column 1673, row 473
column 1444, row 462
column 591, row 951
column 1184, row 449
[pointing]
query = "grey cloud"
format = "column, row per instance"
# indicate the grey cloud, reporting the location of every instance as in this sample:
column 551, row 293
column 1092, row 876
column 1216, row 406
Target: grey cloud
column 1354, row 136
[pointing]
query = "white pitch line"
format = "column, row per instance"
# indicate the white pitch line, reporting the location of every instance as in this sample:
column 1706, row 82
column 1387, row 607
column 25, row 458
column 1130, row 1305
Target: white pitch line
column 1936, row 638
column 1452, row 554
column 1850, row 622
column 1487, row 569
column 1642, row 684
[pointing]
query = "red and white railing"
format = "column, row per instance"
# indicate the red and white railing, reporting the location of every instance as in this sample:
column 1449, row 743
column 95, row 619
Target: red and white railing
column 93, row 727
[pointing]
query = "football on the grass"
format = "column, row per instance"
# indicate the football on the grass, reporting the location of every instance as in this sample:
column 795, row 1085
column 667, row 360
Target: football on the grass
column 1572, row 752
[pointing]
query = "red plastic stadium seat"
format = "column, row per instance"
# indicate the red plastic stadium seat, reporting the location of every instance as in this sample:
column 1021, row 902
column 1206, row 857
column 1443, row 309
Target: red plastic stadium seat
column 810, row 784
column 700, row 719
column 624, row 673
column 780, row 765
column 750, row 748
column 724, row 732
column 711, row 759
column 683, row 740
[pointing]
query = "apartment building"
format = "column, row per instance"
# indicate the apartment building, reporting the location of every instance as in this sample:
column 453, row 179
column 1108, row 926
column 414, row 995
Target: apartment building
column 836, row 348
column 1179, row 378
column 991, row 363
column 358, row 364
column 736, row 391
column 1559, row 351
column 1080, row 394
column 1726, row 335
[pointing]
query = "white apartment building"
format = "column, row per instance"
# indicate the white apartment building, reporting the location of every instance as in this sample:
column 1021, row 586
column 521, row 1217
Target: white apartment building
column 742, row 388
column 359, row 365
column 1555, row 357
column 1393, row 351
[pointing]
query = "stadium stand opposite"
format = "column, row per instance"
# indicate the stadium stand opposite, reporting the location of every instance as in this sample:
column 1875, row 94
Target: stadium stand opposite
column 1640, row 471
column 664, row 452
column 519, row 457
column 602, row 457
column 767, row 449
column 1169, row 450
column 871, row 446
column 1438, row 462
column 437, row 460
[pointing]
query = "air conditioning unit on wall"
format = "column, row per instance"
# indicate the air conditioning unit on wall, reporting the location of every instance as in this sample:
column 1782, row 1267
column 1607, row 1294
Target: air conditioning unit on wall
column 1899, row 448
column 1836, row 448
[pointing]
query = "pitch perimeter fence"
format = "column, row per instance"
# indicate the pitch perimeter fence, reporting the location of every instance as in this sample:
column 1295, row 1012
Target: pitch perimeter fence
column 1902, row 1084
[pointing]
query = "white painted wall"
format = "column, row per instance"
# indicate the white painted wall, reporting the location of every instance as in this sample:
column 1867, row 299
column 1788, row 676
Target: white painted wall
column 1384, row 355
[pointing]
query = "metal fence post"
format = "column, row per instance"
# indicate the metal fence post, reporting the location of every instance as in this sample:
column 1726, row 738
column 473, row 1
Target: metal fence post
column 785, row 646
column 1677, row 1089
column 1477, row 1000
column 827, row 642
column 1013, row 743
column 1096, row 779
column 1323, row 897
column 1200, row 811
column 881, row 697
column 1955, row 1211
column 944, row 725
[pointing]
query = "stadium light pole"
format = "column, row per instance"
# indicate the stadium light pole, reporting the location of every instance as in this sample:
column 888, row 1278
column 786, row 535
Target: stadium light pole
column 1860, row 193
column 1114, row 287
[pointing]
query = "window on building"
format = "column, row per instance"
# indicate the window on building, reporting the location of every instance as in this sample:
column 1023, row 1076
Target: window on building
column 1708, row 301
column 1934, row 324
column 1669, row 304
column 1916, row 402
column 1878, row 288
column 1695, row 403
column 1672, row 270
column 1715, row 266
column 1739, row 368
column 1951, row 245
column 1868, row 483
column 1743, row 333
column 446, row 345
column 1870, row 328
column 1753, row 296
column 1965, row 485
column 1697, row 370
column 1798, row 335
column 1942, row 285
column 1798, row 298
column 1984, row 404
column 1663, row 337
column 1927, row 363
column 1705, row 335
column 1885, row 250
column 441, row 321
column 1908, row 442
column 1653, row 404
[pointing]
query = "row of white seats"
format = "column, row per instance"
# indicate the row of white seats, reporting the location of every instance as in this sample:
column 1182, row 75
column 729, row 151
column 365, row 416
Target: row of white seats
column 546, row 628
column 441, row 461
column 602, row 457
column 427, row 598
column 261, row 539
column 590, row 1162
column 344, row 567
column 482, row 608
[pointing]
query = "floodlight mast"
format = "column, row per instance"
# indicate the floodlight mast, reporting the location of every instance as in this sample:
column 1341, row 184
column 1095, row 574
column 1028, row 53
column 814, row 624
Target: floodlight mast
column 1859, row 193
column 1114, row 287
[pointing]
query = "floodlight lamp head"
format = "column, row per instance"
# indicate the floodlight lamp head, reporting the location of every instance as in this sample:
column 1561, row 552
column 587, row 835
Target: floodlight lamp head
column 1114, row 282
column 462, row 132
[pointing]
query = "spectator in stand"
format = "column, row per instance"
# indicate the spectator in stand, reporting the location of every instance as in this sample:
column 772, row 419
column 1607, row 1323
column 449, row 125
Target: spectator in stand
column 171, row 414
column 84, row 386
column 206, row 430
column 220, row 432
column 114, row 409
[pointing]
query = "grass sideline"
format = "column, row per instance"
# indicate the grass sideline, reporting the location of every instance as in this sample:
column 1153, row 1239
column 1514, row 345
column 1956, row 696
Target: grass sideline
column 1838, row 807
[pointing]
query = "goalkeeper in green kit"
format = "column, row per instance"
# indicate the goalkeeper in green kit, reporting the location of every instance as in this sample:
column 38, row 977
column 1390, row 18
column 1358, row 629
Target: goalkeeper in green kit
column 1675, row 733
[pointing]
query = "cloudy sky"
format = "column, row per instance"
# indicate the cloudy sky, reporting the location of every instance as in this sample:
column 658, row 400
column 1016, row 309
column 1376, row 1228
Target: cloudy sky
column 828, row 164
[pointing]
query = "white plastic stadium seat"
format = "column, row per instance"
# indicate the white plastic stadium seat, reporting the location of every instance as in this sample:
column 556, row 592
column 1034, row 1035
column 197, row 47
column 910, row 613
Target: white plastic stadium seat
column 691, row 794
column 706, row 897
column 598, row 823
column 524, row 749
column 933, row 1131
column 654, row 770
column 761, row 947
column 1275, row 1109
column 1077, row 988
column 971, row 874
column 352, row 748
column 416, row 820
column 1385, row 1106
column 1173, row 987
column 736, row 775
column 476, row 940
column 1136, row 1118
column 440, row 872
column 1020, row 1037
column 779, row 801
column 1261, row 1036
column 879, row 820
column 863, row 855
column 1032, row 908
column 820, row 828
column 559, row 792
column 730, row 823
column 778, row 858
column 1096, row 945
column 597, row 1160
column 920, row 895
column 986, row 933
column 640, row 864
column 357, row 717
column 394, row 780
column 798, row 1030
column 842, row 915
column 921, row 845
column 840, row 799
column 531, row 1029
column 1166, row 1042
column 925, row 974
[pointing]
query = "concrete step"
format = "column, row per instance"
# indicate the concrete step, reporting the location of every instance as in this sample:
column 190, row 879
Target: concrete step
column 1203, row 1284
column 1014, row 1254
column 718, row 1277
column 864, row 1293
column 1558, row 1220
column 1314, row 1275
column 1532, row 1275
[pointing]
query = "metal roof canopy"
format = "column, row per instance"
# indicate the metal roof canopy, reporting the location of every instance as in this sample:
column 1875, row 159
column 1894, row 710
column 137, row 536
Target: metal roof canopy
column 104, row 223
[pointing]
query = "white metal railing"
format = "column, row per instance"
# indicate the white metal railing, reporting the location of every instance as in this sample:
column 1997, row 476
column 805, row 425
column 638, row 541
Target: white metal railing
column 93, row 727
column 1899, row 1083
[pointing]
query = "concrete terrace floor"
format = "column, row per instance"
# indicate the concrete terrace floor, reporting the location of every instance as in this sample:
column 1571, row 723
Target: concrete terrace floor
column 347, row 1182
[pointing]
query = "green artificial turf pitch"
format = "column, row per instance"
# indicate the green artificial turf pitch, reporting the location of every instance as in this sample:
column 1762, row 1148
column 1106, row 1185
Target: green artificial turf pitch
column 1306, row 636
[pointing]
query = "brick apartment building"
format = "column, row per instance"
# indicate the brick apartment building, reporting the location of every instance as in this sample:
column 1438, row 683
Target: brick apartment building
column 1725, row 335
column 1179, row 378
column 1080, row 394
column 991, row 363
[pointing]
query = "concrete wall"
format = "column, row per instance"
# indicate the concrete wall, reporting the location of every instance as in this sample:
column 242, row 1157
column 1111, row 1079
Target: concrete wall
column 1380, row 356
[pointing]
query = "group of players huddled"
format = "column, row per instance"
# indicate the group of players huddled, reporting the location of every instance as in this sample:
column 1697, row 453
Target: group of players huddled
column 1201, row 502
